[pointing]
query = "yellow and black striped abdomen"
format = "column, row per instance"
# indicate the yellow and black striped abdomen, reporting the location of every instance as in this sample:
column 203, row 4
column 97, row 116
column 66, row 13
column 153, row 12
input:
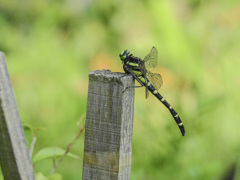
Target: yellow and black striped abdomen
column 172, row 111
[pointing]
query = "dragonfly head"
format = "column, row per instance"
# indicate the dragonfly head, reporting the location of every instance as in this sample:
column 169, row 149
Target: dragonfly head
column 124, row 55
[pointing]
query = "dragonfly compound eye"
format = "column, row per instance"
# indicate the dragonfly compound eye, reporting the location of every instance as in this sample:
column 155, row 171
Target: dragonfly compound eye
column 124, row 54
column 123, row 57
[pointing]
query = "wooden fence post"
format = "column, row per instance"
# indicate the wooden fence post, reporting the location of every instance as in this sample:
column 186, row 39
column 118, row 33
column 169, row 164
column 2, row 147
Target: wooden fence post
column 14, row 157
column 109, row 124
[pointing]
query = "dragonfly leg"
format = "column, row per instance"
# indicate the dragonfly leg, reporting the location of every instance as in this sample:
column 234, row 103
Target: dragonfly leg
column 124, row 75
column 131, row 87
column 135, row 77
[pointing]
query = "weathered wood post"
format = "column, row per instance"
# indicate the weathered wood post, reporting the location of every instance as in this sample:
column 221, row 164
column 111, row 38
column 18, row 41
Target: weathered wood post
column 109, row 124
column 14, row 158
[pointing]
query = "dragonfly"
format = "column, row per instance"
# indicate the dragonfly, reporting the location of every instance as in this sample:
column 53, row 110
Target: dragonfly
column 151, row 81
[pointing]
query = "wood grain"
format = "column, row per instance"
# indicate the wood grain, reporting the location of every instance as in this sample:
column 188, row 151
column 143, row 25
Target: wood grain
column 109, row 125
column 14, row 158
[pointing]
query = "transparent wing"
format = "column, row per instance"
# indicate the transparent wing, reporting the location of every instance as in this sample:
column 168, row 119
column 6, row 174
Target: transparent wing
column 155, row 79
column 142, row 68
column 152, row 58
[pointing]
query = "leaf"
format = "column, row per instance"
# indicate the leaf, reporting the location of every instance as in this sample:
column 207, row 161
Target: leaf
column 55, row 176
column 40, row 176
column 51, row 153
column 28, row 131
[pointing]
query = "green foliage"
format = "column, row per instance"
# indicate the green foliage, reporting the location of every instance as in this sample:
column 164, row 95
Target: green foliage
column 52, row 45
column 51, row 153
column 40, row 176
column 28, row 132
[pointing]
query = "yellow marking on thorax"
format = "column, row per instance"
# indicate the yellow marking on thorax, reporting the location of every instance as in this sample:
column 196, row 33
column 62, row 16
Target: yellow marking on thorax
column 180, row 124
column 162, row 99
column 176, row 115
column 141, row 79
column 133, row 64
column 137, row 73
column 148, row 83
column 155, row 92
column 170, row 107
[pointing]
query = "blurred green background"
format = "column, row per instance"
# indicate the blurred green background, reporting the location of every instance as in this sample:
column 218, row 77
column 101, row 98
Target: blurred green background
column 51, row 46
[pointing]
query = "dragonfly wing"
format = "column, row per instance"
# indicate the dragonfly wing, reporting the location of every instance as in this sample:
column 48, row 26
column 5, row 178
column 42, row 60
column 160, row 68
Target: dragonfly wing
column 152, row 58
column 155, row 79
column 142, row 68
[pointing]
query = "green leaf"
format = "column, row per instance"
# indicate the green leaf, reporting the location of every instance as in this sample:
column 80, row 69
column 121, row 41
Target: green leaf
column 40, row 176
column 51, row 153
column 55, row 176
column 28, row 131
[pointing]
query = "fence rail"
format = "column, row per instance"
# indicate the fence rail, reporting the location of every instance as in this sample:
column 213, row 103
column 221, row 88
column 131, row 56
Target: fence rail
column 14, row 157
